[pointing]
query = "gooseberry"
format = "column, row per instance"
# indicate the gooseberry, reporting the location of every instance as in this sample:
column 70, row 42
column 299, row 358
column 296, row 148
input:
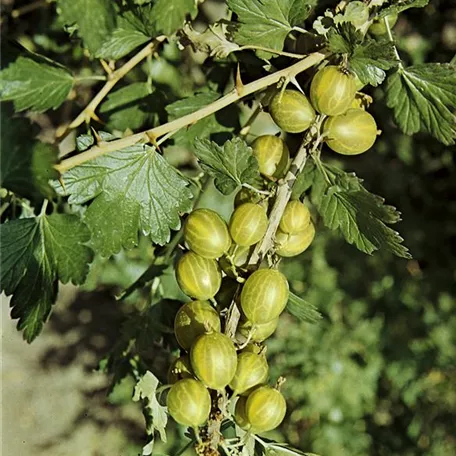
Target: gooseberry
column 206, row 233
column 292, row 111
column 198, row 277
column 258, row 332
column 179, row 369
column 214, row 360
column 194, row 319
column 295, row 218
column 239, row 413
column 289, row 245
column 264, row 295
column 189, row 402
column 351, row 133
column 332, row 90
column 252, row 370
column 378, row 27
column 272, row 155
column 248, row 224
column 265, row 409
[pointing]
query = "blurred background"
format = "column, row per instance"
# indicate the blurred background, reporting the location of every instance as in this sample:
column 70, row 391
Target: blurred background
column 377, row 376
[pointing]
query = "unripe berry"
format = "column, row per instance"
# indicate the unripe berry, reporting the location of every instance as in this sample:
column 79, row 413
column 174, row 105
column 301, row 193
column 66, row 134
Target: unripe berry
column 180, row 369
column 295, row 218
column 198, row 277
column 252, row 370
column 332, row 91
column 351, row 133
column 258, row 332
column 248, row 224
column 206, row 233
column 265, row 409
column 214, row 360
column 189, row 402
column 264, row 295
column 292, row 111
column 290, row 245
column 194, row 319
column 272, row 155
column 378, row 27
column 239, row 414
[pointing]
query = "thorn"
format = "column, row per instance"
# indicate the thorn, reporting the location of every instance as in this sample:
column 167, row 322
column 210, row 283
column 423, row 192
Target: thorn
column 60, row 179
column 296, row 84
column 96, row 118
column 153, row 141
column 97, row 136
column 239, row 83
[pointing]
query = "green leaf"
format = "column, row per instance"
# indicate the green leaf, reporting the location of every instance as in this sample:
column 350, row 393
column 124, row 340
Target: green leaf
column 267, row 23
column 231, row 164
column 121, row 43
column 302, row 309
column 156, row 415
column 215, row 40
column 129, row 107
column 34, row 82
column 169, row 16
column 27, row 165
column 402, row 5
column 423, row 98
column 132, row 189
column 35, row 254
column 224, row 121
column 95, row 20
column 360, row 216
column 304, row 180
column 368, row 58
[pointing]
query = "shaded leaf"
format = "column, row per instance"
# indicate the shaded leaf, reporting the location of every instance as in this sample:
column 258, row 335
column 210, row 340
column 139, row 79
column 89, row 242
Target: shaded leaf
column 27, row 165
column 35, row 254
column 169, row 16
column 95, row 20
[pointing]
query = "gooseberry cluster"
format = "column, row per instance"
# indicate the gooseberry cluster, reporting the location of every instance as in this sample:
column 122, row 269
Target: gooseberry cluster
column 211, row 362
column 215, row 271
column 348, row 128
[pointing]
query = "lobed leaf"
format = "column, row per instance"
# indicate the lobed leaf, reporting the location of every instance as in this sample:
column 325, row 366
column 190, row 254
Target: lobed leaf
column 368, row 58
column 156, row 415
column 120, row 43
column 35, row 254
column 132, row 189
column 231, row 164
column 423, row 98
column 267, row 23
column 361, row 217
column 34, row 82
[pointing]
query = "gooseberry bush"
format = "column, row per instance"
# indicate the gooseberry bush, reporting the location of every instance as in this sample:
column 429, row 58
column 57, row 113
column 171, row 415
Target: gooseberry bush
column 154, row 102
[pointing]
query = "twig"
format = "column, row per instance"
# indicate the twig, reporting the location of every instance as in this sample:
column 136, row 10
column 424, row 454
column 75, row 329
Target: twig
column 113, row 79
column 232, row 97
column 29, row 8
column 272, row 51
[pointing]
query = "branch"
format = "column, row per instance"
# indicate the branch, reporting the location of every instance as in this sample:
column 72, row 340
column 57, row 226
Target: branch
column 113, row 79
column 154, row 133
